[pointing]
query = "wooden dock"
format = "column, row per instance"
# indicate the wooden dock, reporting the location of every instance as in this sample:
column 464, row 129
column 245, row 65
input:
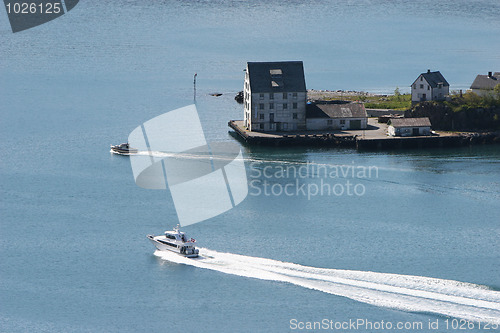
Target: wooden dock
column 321, row 138
column 373, row 138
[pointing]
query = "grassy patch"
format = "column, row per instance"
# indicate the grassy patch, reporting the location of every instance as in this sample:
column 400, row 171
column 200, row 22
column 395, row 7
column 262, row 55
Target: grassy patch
column 398, row 101
column 394, row 102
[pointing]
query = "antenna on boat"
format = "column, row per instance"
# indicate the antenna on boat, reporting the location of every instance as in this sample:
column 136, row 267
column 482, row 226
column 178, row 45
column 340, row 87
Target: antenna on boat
column 176, row 228
column 194, row 85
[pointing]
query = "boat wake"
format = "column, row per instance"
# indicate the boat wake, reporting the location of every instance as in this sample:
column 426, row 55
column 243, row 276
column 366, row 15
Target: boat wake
column 403, row 292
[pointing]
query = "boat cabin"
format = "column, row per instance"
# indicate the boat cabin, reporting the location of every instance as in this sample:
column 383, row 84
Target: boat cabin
column 178, row 236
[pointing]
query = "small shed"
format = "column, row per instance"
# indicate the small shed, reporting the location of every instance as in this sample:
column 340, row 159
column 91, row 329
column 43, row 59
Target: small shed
column 409, row 126
column 330, row 116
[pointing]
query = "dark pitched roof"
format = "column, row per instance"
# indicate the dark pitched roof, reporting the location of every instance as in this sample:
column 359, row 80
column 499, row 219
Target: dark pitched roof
column 323, row 110
column 278, row 76
column 485, row 81
column 433, row 78
column 410, row 122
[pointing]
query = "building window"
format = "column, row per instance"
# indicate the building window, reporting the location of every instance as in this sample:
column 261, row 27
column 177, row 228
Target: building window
column 261, row 106
column 342, row 122
column 261, row 96
column 295, row 95
column 294, row 116
column 271, row 95
column 285, row 126
column 329, row 122
column 285, row 106
column 415, row 86
column 282, row 114
column 428, row 87
column 261, row 116
column 285, row 95
column 421, row 78
column 294, row 105
column 421, row 86
column 261, row 126
column 271, row 106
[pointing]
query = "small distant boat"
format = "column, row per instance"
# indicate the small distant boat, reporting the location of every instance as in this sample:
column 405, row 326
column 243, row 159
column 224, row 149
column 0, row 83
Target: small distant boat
column 123, row 149
column 239, row 97
column 175, row 241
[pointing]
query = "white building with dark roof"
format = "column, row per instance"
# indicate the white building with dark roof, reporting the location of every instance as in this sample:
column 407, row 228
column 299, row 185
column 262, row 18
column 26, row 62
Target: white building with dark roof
column 409, row 126
column 275, row 96
column 430, row 86
column 330, row 116
column 484, row 84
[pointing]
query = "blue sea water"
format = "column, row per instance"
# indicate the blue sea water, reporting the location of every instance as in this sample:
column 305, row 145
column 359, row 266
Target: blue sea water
column 74, row 257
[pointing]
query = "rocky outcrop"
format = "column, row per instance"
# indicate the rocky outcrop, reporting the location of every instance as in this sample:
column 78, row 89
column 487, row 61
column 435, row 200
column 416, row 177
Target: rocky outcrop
column 442, row 117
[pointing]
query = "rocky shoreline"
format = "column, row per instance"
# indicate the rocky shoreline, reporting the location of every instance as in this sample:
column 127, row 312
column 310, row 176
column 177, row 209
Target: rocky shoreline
column 315, row 95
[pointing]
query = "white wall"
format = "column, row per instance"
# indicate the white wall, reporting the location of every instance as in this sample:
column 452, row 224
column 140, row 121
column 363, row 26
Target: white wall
column 444, row 90
column 275, row 105
column 408, row 131
column 322, row 123
column 391, row 130
column 483, row 92
column 417, row 91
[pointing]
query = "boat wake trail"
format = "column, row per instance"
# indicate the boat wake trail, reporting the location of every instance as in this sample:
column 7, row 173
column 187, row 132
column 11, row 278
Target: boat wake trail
column 403, row 292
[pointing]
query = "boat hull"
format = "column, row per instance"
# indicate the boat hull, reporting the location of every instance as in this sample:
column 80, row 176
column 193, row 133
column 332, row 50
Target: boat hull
column 165, row 246
column 123, row 151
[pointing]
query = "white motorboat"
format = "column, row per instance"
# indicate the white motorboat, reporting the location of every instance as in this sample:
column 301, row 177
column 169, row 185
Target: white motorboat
column 175, row 241
column 123, row 149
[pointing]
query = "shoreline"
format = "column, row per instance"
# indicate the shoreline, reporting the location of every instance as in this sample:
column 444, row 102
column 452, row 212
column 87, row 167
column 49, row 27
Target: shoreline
column 313, row 94
column 373, row 138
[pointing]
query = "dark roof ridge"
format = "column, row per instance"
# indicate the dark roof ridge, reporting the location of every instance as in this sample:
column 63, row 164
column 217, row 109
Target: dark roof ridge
column 261, row 78
column 433, row 78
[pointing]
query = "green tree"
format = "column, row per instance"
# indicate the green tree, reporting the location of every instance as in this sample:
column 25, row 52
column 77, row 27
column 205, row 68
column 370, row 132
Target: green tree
column 497, row 90
column 397, row 94
column 472, row 99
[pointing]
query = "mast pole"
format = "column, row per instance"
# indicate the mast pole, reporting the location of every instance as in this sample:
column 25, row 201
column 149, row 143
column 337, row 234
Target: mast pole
column 194, row 85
